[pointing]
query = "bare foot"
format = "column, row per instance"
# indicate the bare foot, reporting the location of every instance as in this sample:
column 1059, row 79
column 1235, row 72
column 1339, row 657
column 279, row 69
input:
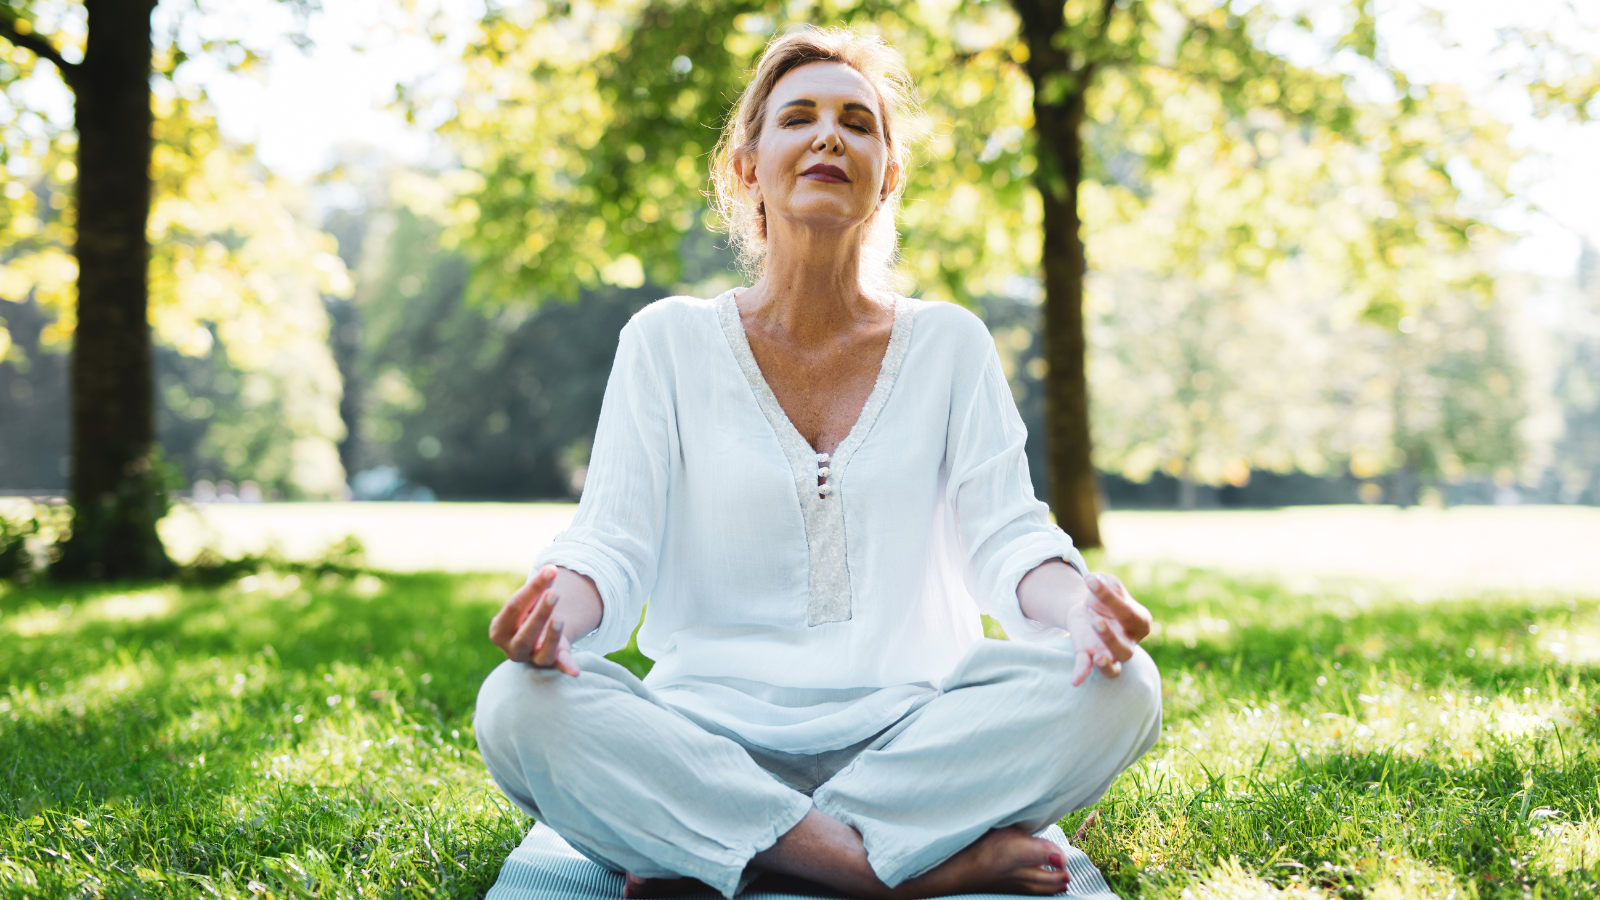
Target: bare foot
column 1004, row 861
column 635, row 886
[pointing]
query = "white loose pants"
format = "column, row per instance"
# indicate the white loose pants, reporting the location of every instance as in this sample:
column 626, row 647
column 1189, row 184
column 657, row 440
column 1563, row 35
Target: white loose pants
column 637, row 785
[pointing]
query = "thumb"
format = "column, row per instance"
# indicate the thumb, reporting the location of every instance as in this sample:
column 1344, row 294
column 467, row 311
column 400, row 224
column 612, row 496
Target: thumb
column 564, row 660
column 1081, row 667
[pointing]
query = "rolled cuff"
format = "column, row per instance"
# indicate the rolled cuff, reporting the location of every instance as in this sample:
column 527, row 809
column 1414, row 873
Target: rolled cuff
column 614, row 630
column 1007, row 607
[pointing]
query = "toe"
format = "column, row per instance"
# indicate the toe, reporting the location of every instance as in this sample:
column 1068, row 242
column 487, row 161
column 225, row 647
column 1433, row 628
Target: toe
column 1047, row 852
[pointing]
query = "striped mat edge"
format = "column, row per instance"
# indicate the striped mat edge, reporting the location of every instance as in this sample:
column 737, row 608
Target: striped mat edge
column 545, row 867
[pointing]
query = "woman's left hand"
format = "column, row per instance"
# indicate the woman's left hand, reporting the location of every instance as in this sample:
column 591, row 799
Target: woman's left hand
column 1106, row 627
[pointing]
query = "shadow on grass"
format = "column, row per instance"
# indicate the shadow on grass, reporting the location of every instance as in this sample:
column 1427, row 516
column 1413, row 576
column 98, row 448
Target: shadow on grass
column 1265, row 638
column 1436, row 808
column 1344, row 822
column 312, row 737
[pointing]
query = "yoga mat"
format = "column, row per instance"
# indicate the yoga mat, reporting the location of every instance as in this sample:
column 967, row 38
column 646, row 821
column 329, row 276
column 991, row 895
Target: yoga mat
column 545, row 867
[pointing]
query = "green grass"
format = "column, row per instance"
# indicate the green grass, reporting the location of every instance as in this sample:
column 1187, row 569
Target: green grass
column 298, row 735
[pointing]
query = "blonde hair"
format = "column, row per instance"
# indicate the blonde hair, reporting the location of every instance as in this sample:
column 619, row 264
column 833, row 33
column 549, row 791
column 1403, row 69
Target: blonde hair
column 901, row 116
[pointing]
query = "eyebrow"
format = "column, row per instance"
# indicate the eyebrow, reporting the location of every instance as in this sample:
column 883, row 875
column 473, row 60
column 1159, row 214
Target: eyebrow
column 813, row 105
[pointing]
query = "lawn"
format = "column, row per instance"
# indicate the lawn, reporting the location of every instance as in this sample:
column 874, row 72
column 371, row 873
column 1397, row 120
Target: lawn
column 291, row 733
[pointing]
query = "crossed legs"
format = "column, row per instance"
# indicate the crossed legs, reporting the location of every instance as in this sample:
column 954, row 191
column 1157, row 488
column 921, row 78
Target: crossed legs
column 946, row 801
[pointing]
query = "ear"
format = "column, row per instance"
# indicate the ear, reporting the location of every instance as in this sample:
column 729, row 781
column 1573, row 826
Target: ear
column 891, row 180
column 744, row 166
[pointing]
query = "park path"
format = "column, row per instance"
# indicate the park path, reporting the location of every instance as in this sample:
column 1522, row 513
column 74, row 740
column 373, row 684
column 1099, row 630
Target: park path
column 1543, row 547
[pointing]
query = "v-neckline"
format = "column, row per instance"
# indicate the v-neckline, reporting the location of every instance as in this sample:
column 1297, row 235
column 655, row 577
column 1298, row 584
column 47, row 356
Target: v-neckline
column 788, row 434
column 821, row 505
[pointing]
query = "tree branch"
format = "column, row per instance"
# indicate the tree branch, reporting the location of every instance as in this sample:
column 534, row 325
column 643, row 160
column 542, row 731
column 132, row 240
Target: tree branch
column 39, row 46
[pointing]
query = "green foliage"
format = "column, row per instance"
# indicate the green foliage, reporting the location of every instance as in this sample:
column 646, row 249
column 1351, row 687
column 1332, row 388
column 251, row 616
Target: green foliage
column 1216, row 174
column 589, row 154
column 233, row 260
column 476, row 401
column 297, row 734
column 30, row 535
column 16, row 560
column 219, row 421
column 588, row 148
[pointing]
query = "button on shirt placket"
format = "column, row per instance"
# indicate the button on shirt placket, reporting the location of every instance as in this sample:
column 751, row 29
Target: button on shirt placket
column 823, row 487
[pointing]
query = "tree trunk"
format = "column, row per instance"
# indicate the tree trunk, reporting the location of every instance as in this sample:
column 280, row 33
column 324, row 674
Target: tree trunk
column 344, row 335
column 118, row 492
column 1058, row 117
column 1188, row 493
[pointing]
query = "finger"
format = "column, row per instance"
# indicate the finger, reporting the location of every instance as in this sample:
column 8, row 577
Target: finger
column 1115, row 640
column 1121, row 605
column 1108, row 666
column 1109, row 595
column 1080, row 669
column 526, row 641
column 1093, row 645
column 1106, row 663
column 1121, row 600
column 511, row 616
column 564, row 660
column 549, row 645
column 544, row 577
column 537, row 586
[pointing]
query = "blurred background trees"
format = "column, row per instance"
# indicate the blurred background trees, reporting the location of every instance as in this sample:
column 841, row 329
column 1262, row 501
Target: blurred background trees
column 136, row 166
column 581, row 152
column 1288, row 288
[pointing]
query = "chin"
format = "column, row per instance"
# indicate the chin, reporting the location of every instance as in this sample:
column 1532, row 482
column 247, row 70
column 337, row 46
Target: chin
column 824, row 215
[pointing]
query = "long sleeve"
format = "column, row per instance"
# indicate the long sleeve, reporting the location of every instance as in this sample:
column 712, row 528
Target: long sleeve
column 1005, row 530
column 615, row 539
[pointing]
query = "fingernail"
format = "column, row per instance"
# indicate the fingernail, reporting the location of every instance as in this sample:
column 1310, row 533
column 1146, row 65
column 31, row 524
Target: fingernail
column 1100, row 625
column 558, row 626
column 1116, row 668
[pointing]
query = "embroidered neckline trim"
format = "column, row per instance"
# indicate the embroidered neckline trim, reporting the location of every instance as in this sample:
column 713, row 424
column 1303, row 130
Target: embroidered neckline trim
column 830, row 594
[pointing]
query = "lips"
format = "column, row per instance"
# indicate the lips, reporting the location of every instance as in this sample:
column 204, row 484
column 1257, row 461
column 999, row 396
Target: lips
column 826, row 174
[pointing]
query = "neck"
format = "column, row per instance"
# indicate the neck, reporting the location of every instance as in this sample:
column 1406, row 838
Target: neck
column 810, row 288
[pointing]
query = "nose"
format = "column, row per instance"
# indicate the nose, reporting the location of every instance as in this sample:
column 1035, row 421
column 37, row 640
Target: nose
column 827, row 139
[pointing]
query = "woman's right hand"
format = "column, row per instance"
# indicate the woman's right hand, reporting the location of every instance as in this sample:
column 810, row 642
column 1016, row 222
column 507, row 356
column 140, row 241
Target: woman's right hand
column 528, row 629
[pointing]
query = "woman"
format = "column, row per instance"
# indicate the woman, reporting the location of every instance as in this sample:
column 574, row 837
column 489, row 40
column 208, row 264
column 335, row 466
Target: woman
column 812, row 480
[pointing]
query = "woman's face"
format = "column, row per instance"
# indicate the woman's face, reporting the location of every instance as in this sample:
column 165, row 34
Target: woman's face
column 822, row 160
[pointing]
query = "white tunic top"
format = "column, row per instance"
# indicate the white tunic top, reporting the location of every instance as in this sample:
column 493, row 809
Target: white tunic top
column 805, row 618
